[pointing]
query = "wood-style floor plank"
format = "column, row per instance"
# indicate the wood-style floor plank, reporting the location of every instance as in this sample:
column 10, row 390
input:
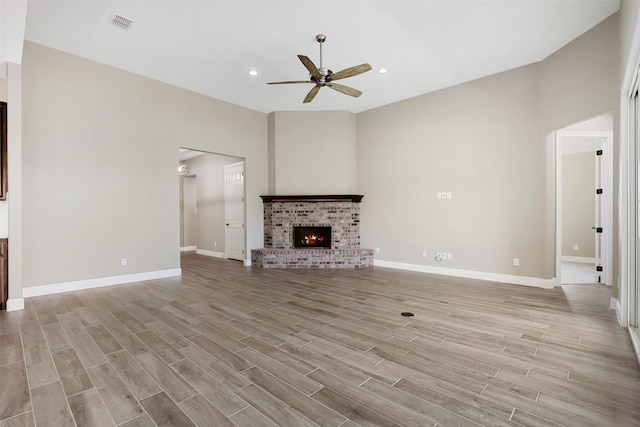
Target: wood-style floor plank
column 230, row 345
column 73, row 376
column 116, row 396
column 14, row 390
column 164, row 411
column 88, row 410
column 50, row 406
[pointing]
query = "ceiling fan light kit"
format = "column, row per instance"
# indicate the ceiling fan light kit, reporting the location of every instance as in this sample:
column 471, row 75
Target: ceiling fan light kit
column 321, row 77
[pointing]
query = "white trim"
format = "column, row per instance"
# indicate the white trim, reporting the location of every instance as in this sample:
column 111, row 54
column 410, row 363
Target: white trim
column 247, row 263
column 634, row 333
column 625, row 208
column 614, row 304
column 580, row 259
column 188, row 248
column 479, row 275
column 211, row 253
column 56, row 288
column 15, row 304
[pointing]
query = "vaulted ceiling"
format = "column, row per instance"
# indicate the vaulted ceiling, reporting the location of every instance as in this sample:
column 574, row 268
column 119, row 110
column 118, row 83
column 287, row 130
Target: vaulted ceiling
column 209, row 46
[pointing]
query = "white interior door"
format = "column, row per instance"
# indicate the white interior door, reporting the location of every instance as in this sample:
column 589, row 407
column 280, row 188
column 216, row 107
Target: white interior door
column 234, row 211
column 598, row 227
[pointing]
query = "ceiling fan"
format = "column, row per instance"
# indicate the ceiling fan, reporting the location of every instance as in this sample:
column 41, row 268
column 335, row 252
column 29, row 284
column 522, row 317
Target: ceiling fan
column 322, row 77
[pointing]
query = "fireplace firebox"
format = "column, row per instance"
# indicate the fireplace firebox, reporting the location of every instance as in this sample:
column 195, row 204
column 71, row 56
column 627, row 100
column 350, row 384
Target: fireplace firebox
column 311, row 237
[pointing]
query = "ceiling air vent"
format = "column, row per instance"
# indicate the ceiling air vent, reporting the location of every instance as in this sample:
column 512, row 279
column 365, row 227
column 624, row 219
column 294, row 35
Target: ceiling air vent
column 120, row 21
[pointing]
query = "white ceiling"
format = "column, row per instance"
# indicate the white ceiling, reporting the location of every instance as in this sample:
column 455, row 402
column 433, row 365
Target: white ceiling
column 209, row 46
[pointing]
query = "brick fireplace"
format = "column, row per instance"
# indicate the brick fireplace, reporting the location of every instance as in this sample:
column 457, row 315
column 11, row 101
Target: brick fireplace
column 297, row 229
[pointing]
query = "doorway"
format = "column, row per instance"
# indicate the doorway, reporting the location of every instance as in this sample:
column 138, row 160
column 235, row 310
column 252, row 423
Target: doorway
column 234, row 210
column 584, row 203
column 203, row 205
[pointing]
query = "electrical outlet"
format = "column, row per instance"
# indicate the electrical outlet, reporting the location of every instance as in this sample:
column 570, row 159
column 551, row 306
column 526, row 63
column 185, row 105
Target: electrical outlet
column 448, row 194
column 424, row 254
column 575, row 247
column 516, row 262
column 123, row 262
column 439, row 255
column 377, row 250
column 215, row 243
column 439, row 195
column 449, row 256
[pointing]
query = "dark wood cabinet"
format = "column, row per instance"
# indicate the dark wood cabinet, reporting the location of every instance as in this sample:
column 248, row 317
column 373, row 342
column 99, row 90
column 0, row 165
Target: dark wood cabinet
column 4, row 273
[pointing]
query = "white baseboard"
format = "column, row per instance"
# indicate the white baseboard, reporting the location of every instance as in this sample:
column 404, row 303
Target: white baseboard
column 15, row 304
column 614, row 304
column 580, row 259
column 492, row 277
column 635, row 340
column 188, row 248
column 56, row 288
column 247, row 263
column 211, row 253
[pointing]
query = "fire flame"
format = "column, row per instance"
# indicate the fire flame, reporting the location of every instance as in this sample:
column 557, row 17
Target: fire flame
column 312, row 240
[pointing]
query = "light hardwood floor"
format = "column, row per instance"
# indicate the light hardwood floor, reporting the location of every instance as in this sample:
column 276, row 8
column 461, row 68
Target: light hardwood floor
column 229, row 345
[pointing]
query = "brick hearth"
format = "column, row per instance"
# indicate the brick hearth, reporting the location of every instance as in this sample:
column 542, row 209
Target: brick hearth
column 341, row 213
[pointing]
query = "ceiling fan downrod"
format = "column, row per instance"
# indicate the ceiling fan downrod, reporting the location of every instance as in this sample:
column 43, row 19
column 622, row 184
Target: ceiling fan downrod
column 320, row 38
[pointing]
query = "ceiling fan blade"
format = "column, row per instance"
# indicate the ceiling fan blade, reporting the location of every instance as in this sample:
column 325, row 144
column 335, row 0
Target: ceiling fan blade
column 290, row 82
column 350, row 72
column 345, row 89
column 312, row 94
column 309, row 65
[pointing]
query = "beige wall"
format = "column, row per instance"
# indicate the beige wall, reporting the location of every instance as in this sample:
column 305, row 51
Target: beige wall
column 3, row 89
column 485, row 141
column 100, row 156
column 578, row 204
column 580, row 80
column 313, row 152
column 481, row 142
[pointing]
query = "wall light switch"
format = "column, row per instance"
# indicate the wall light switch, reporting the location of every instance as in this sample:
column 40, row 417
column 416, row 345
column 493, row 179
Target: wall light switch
column 439, row 195
column 448, row 194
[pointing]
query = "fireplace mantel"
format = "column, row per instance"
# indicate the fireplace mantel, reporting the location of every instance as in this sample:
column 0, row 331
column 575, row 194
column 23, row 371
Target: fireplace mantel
column 354, row 198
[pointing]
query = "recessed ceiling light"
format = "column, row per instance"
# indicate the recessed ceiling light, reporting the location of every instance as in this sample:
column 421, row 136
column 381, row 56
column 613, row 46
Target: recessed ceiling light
column 253, row 73
column 383, row 71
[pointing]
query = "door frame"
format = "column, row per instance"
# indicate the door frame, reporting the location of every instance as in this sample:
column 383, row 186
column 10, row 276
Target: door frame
column 227, row 242
column 606, row 252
